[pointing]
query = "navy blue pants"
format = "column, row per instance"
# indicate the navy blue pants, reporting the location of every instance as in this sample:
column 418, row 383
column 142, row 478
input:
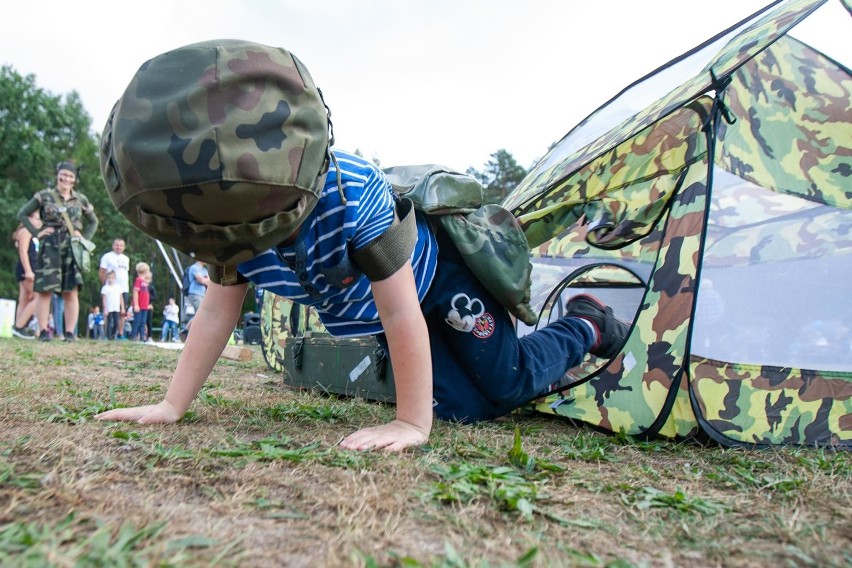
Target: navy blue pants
column 140, row 325
column 481, row 368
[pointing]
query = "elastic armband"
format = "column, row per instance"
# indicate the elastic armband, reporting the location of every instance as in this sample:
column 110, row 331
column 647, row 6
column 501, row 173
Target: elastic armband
column 387, row 253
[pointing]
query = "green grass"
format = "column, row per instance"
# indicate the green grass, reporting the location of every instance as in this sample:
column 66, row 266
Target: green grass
column 10, row 477
column 512, row 487
column 82, row 542
column 676, row 502
column 331, row 412
column 450, row 559
column 588, row 447
column 503, row 485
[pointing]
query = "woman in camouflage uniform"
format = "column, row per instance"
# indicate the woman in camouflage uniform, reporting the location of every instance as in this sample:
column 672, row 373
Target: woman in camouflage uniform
column 55, row 269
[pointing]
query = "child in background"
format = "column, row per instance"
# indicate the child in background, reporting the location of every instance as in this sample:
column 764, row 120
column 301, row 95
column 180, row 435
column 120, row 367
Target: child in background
column 90, row 323
column 141, row 302
column 98, row 323
column 113, row 301
column 170, row 325
column 27, row 247
column 128, row 322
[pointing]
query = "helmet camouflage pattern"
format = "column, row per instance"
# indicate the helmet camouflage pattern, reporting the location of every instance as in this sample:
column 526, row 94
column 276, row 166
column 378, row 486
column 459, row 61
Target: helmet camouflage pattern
column 219, row 149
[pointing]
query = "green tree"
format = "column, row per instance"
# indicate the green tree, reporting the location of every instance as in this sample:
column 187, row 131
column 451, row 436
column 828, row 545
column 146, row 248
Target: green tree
column 501, row 175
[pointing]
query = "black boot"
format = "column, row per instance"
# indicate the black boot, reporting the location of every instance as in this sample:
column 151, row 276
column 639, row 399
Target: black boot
column 611, row 333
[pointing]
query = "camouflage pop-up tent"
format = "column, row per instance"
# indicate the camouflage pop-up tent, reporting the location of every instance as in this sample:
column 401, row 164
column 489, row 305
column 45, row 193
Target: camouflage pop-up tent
column 717, row 220
column 709, row 204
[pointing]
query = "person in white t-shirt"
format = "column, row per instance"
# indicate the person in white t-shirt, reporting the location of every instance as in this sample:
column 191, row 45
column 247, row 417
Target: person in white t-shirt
column 172, row 318
column 119, row 263
column 113, row 301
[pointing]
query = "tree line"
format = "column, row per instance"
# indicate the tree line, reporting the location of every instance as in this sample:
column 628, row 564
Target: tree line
column 39, row 129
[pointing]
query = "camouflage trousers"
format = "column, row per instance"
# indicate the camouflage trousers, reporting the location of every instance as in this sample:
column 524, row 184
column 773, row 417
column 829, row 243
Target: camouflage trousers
column 55, row 270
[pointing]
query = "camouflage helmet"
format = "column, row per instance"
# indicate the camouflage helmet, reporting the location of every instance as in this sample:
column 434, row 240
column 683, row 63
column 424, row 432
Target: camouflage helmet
column 219, row 149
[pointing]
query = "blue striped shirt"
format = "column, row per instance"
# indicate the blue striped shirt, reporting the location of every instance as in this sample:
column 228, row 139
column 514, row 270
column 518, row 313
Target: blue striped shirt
column 316, row 269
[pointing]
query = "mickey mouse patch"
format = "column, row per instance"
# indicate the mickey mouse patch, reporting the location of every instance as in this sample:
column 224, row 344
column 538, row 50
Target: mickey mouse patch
column 468, row 315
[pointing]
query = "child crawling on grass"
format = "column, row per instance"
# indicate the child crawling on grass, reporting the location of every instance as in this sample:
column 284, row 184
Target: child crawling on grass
column 223, row 150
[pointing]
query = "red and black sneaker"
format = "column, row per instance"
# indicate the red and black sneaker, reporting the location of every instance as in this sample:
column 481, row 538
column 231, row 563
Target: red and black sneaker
column 612, row 333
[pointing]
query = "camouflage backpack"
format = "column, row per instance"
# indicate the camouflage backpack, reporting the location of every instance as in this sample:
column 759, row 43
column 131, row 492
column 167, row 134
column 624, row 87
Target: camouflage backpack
column 488, row 237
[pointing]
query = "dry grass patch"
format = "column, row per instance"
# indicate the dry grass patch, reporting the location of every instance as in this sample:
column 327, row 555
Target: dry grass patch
column 253, row 476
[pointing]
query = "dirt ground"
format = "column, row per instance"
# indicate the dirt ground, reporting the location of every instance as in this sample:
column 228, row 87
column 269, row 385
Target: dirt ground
column 253, row 476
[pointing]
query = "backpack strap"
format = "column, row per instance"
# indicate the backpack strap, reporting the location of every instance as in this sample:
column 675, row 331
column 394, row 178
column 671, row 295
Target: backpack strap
column 385, row 254
column 60, row 202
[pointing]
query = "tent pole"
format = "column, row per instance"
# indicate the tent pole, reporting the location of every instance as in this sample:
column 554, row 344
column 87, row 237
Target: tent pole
column 174, row 273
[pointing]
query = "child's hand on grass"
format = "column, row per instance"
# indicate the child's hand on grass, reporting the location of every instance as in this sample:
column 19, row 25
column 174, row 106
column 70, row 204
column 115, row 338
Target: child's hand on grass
column 162, row 413
column 393, row 437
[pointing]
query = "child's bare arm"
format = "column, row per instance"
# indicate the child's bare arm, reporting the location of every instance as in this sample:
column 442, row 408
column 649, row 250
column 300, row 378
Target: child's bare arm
column 408, row 342
column 211, row 327
column 24, row 238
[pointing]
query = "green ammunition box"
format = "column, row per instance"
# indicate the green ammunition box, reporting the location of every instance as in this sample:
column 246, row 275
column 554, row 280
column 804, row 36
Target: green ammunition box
column 347, row 366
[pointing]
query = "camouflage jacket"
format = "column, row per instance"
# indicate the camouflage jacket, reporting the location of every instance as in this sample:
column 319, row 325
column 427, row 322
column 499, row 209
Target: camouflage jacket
column 46, row 201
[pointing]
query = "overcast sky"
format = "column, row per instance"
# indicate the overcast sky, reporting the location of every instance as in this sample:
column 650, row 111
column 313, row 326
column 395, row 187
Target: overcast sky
column 437, row 81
